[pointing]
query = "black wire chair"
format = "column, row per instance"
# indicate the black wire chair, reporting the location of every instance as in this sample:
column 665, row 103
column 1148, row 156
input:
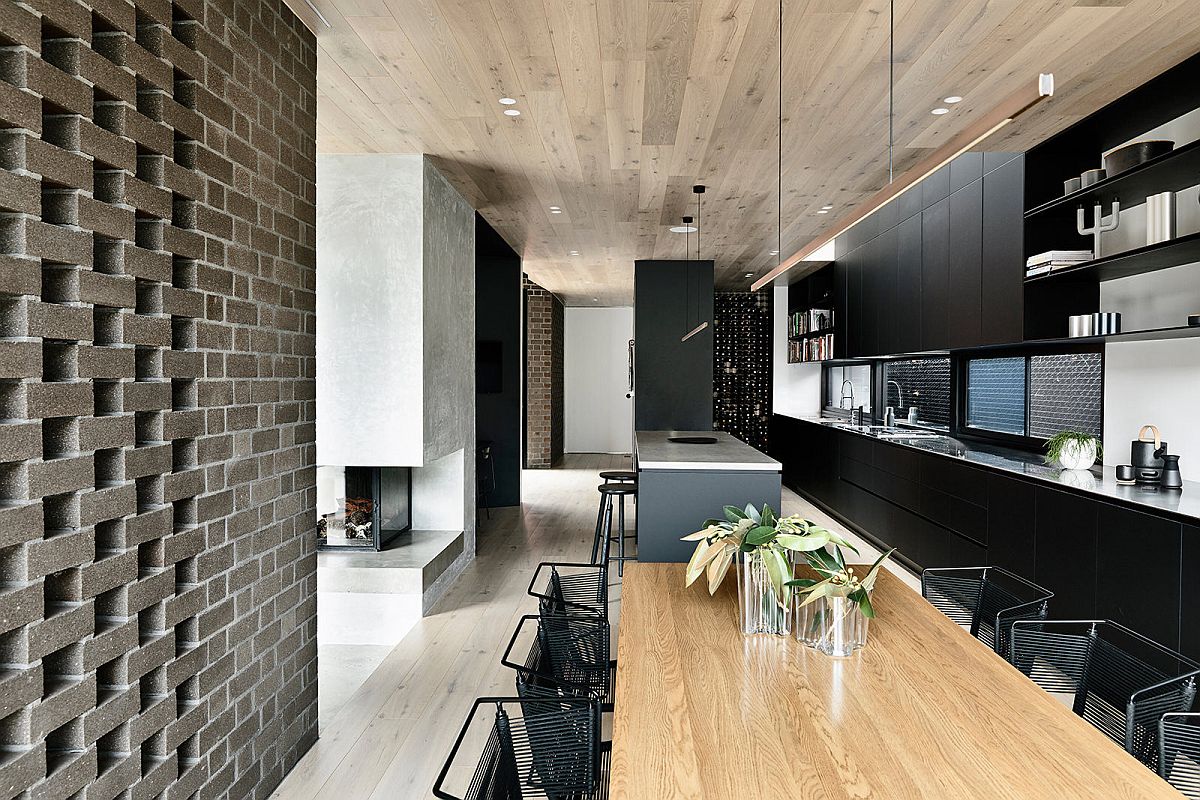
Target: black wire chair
column 567, row 587
column 568, row 653
column 1121, row 682
column 533, row 747
column 985, row 600
column 1179, row 752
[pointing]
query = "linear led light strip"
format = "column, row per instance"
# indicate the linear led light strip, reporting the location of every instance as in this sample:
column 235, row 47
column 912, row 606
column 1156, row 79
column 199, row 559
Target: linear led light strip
column 1009, row 109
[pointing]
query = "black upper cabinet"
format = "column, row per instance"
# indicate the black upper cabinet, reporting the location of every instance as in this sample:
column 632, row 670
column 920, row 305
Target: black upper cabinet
column 1003, row 254
column 1142, row 605
column 936, row 187
column 948, row 276
column 907, row 316
column 966, row 266
column 886, row 309
column 1065, row 551
column 964, row 170
column 935, row 275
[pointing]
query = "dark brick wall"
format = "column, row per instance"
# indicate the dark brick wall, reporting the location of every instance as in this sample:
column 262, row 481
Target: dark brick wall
column 157, row 573
column 544, row 399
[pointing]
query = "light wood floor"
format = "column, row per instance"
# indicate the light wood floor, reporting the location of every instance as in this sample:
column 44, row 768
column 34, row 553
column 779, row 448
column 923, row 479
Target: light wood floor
column 391, row 738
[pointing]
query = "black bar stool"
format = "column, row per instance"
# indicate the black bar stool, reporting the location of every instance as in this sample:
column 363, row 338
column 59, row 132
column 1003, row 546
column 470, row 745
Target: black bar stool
column 618, row 476
column 604, row 524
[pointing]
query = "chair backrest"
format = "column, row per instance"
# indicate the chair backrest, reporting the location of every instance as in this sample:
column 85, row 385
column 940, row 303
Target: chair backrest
column 1179, row 752
column 1122, row 682
column 1004, row 598
column 569, row 652
column 985, row 600
column 571, row 588
column 537, row 747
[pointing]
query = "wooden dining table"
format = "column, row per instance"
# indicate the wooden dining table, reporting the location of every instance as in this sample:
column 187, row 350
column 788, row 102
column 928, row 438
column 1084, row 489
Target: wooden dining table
column 924, row 711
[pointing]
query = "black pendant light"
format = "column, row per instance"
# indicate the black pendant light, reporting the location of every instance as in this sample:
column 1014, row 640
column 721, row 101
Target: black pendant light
column 698, row 190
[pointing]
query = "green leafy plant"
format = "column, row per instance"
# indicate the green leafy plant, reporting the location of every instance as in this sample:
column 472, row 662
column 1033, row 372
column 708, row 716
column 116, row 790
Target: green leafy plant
column 750, row 530
column 1064, row 440
column 838, row 579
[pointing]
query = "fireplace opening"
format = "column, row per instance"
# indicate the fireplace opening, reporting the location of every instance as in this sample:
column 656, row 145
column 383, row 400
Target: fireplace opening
column 362, row 508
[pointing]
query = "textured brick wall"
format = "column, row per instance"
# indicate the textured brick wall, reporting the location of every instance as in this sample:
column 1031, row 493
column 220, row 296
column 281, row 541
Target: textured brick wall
column 157, row 586
column 543, row 377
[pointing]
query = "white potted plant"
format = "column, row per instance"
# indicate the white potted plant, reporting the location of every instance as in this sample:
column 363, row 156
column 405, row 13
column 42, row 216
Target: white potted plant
column 1073, row 450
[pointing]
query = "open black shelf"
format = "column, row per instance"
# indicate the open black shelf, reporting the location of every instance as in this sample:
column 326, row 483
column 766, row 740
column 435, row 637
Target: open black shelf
column 811, row 334
column 1170, row 172
column 1151, row 258
column 1149, row 335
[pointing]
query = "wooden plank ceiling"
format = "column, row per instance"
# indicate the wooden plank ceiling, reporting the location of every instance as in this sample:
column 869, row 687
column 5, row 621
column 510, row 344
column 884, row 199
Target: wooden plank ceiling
column 625, row 104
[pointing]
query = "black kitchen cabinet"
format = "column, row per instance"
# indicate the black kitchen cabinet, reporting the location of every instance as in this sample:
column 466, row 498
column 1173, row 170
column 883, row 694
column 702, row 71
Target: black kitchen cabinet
column 940, row 512
column 1003, row 272
column 966, row 266
column 870, row 272
column 1189, row 605
column 965, row 170
column 936, row 187
column 886, row 309
column 935, row 275
column 1065, row 551
column 1011, row 514
column 907, row 313
column 1135, row 584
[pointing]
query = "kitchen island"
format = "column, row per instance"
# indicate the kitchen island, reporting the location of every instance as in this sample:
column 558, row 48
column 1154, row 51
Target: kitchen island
column 681, row 483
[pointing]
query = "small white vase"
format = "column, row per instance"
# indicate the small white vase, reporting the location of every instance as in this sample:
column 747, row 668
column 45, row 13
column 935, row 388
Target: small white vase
column 1075, row 455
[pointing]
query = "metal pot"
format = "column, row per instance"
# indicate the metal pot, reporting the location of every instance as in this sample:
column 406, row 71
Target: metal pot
column 1136, row 153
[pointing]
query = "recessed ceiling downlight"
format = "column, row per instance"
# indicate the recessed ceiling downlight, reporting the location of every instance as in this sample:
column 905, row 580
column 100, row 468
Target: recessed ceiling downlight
column 511, row 112
column 774, row 253
column 952, row 99
column 937, row 111
column 827, row 207
column 683, row 229
column 507, row 101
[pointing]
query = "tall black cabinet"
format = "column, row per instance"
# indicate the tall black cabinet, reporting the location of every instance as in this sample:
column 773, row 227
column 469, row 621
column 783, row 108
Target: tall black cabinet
column 673, row 379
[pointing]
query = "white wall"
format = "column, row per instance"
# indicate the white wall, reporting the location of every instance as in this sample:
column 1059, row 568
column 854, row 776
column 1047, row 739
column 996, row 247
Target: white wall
column 796, row 388
column 599, row 417
column 1156, row 383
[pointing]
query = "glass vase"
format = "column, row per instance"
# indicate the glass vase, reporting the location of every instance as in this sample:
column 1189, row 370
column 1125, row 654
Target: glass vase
column 834, row 625
column 759, row 606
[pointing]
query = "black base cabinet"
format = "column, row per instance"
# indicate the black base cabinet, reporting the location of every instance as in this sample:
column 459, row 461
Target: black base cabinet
column 1102, row 560
column 1065, row 548
column 1136, row 590
column 1189, row 606
column 1011, row 514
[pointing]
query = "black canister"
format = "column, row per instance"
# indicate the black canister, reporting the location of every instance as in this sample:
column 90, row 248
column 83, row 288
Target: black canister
column 1145, row 455
column 1171, row 479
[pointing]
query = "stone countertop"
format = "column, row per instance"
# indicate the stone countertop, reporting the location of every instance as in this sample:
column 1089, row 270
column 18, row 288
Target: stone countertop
column 1100, row 482
column 652, row 450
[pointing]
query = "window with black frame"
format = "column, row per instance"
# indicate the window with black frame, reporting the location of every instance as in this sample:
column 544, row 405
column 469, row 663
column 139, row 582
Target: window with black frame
column 1034, row 396
column 918, row 390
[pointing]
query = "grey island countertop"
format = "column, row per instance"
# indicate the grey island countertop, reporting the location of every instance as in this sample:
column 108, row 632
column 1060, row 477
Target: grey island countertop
column 653, row 450
column 1099, row 482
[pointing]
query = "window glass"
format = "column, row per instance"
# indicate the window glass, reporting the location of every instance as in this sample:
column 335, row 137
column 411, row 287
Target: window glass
column 996, row 394
column 1065, row 393
column 922, row 384
column 848, row 386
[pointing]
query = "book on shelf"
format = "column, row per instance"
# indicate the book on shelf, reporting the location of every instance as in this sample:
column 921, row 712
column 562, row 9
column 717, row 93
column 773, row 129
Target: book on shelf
column 810, row 348
column 1059, row 257
column 810, row 321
